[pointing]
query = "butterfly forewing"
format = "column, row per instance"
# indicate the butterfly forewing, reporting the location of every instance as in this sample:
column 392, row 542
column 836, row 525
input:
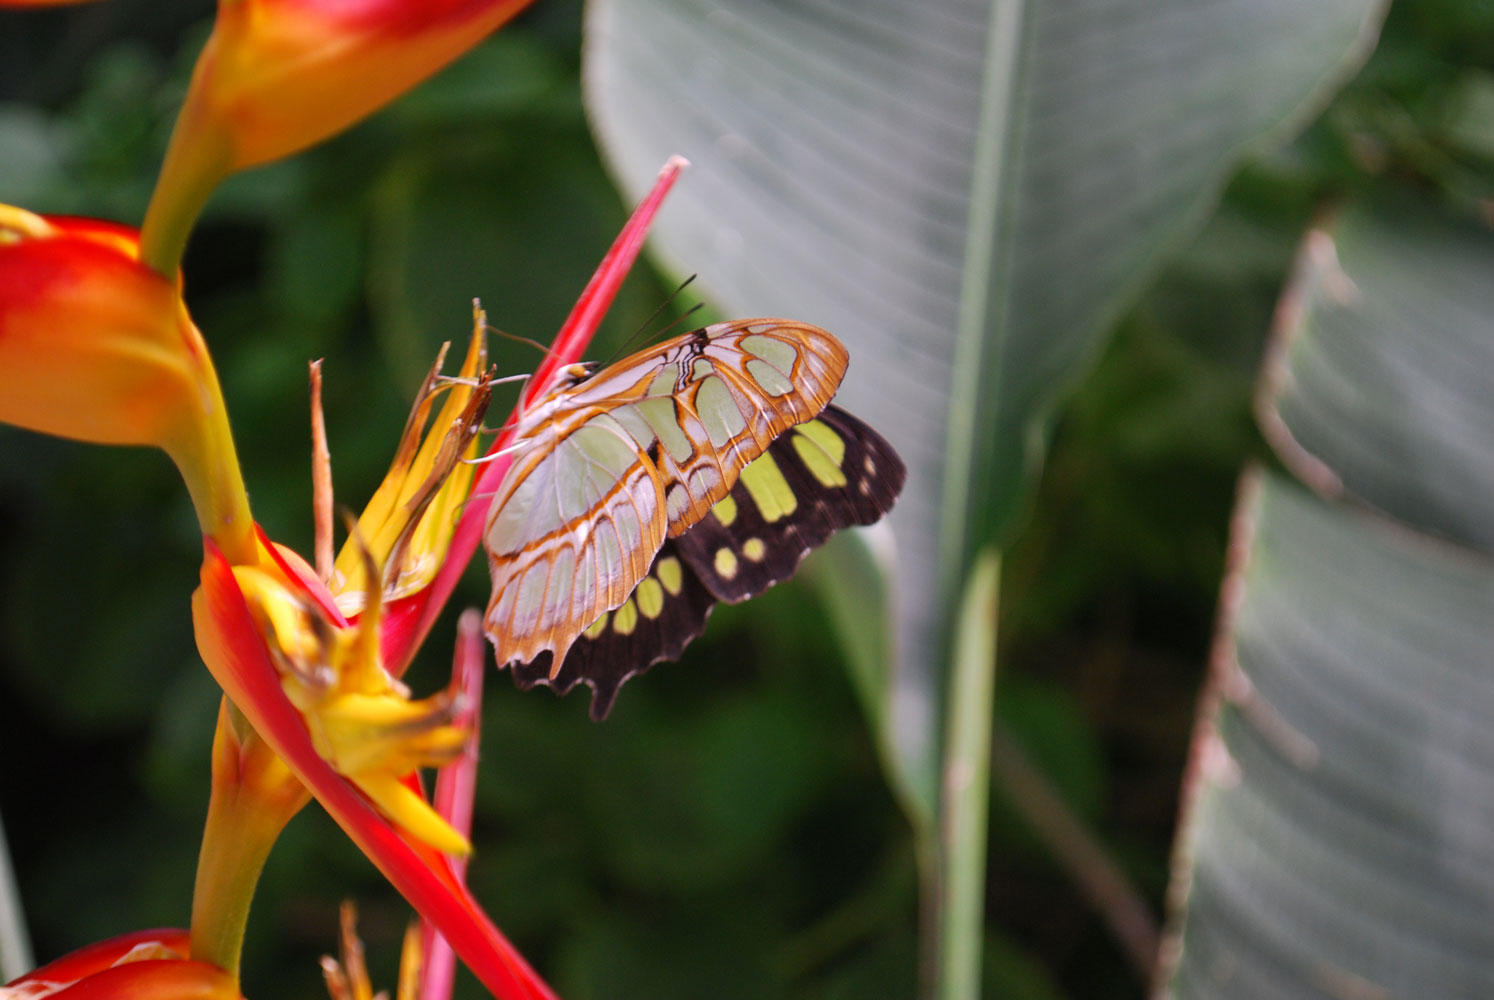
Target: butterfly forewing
column 821, row 476
column 574, row 534
column 644, row 447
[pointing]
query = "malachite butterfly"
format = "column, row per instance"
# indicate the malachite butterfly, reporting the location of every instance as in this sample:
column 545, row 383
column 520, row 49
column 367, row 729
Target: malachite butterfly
column 699, row 470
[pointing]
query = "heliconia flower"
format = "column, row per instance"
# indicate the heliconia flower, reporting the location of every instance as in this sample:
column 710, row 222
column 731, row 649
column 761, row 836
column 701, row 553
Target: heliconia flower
column 278, row 76
column 149, row 964
column 360, row 719
column 98, row 347
column 319, row 689
column 237, row 648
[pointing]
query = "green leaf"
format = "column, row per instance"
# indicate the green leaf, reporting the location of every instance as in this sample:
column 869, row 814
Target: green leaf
column 1341, row 794
column 1381, row 382
column 967, row 193
column 851, row 575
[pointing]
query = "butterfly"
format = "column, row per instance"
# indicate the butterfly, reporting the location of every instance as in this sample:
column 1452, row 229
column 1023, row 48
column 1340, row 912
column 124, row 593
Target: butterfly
column 699, row 470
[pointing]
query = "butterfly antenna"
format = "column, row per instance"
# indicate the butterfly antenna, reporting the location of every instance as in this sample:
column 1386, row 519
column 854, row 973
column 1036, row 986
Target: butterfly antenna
column 642, row 327
column 697, row 307
column 494, row 455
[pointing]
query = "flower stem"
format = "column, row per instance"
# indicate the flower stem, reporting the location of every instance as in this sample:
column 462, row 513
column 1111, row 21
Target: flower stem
column 967, row 759
column 197, row 159
column 209, row 465
column 254, row 796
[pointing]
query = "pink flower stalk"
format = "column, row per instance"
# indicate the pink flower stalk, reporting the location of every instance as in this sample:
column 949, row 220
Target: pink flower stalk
column 456, row 789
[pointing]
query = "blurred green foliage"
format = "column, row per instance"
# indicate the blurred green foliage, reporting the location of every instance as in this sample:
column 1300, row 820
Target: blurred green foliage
column 728, row 825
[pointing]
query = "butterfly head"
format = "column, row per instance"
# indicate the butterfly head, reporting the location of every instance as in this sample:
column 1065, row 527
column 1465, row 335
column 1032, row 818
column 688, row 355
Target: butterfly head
column 573, row 375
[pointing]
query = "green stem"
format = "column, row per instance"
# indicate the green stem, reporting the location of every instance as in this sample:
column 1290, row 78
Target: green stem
column 967, row 782
column 199, row 157
column 254, row 796
column 209, row 464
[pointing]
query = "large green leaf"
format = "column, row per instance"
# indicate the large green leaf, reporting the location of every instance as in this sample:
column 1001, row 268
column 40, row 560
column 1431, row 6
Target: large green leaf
column 966, row 192
column 1339, row 810
column 1381, row 385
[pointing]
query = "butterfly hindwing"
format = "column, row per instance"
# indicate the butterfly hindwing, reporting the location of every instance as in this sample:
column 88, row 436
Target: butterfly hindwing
column 665, row 613
column 822, row 475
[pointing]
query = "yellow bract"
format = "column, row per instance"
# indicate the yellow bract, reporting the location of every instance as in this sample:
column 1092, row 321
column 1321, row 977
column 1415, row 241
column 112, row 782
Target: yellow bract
column 408, row 524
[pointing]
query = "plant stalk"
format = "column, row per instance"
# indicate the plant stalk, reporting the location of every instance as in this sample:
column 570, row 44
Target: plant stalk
column 966, row 783
column 254, row 796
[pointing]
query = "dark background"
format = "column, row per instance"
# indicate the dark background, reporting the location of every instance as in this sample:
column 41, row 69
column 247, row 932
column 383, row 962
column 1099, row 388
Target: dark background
column 727, row 832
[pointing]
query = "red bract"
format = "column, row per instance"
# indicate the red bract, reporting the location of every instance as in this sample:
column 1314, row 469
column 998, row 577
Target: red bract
column 142, row 964
column 456, row 790
column 234, row 650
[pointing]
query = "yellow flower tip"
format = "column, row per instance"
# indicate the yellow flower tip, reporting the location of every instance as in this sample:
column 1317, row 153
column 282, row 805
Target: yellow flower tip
column 361, row 720
column 411, row 963
column 414, row 815
column 17, row 224
column 408, row 524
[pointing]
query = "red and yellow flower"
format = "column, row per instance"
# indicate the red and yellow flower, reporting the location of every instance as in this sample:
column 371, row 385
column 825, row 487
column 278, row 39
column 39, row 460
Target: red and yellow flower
column 97, row 344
